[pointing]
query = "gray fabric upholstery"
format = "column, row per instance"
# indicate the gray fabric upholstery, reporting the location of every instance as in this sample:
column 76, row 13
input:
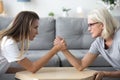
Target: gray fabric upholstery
column 7, row 77
column 33, row 55
column 74, row 31
column 99, row 62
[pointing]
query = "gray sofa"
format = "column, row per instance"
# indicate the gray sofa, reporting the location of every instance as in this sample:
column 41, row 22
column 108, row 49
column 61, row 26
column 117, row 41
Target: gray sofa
column 73, row 30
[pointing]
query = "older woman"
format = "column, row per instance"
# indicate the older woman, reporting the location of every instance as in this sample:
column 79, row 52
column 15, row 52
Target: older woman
column 106, row 31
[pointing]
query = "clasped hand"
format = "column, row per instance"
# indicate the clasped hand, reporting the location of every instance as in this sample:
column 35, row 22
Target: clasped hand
column 60, row 43
column 99, row 75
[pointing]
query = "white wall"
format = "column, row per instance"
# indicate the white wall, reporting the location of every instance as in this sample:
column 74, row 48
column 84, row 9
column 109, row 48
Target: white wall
column 43, row 7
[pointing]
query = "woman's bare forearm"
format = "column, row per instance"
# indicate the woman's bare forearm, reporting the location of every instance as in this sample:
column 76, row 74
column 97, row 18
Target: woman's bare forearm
column 35, row 66
column 73, row 61
column 115, row 74
column 14, row 70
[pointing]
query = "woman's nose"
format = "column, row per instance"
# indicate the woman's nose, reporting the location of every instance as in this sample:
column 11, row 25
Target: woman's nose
column 89, row 28
column 37, row 32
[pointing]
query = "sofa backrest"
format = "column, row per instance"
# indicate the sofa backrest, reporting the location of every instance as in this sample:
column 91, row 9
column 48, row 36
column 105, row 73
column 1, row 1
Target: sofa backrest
column 74, row 31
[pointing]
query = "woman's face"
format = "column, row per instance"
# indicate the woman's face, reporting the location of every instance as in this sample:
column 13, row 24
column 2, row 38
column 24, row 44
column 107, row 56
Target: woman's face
column 95, row 28
column 34, row 29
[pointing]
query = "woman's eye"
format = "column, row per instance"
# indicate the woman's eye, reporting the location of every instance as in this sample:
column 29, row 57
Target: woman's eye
column 35, row 27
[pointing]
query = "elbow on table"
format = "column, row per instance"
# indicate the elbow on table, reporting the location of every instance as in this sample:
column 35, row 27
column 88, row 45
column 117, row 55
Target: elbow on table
column 80, row 68
column 33, row 69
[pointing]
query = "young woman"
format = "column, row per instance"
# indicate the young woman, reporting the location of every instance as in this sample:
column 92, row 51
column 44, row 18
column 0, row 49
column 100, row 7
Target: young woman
column 23, row 28
column 103, row 27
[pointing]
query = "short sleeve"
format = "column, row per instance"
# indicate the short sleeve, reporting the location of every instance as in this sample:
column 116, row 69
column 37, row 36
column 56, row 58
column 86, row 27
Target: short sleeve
column 94, row 47
column 10, row 50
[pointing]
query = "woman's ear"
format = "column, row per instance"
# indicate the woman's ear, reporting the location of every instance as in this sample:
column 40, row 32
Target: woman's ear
column 102, row 25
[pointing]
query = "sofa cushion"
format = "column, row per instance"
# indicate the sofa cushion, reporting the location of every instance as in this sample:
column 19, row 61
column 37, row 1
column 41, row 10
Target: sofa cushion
column 74, row 31
column 7, row 77
column 44, row 40
column 99, row 62
column 34, row 55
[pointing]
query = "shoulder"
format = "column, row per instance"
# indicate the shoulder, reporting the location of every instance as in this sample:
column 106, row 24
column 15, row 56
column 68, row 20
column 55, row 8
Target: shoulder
column 7, row 41
column 117, row 34
column 118, row 31
column 99, row 40
column 94, row 48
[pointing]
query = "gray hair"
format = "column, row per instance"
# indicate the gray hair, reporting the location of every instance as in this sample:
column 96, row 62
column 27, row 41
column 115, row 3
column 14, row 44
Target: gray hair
column 103, row 16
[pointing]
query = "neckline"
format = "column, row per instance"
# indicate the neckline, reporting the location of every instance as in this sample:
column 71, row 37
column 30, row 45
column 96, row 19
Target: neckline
column 110, row 47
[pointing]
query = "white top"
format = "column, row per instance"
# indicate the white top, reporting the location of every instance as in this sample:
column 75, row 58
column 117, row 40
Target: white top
column 9, row 52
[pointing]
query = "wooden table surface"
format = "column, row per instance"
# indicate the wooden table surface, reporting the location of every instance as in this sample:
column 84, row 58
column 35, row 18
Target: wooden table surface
column 56, row 73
